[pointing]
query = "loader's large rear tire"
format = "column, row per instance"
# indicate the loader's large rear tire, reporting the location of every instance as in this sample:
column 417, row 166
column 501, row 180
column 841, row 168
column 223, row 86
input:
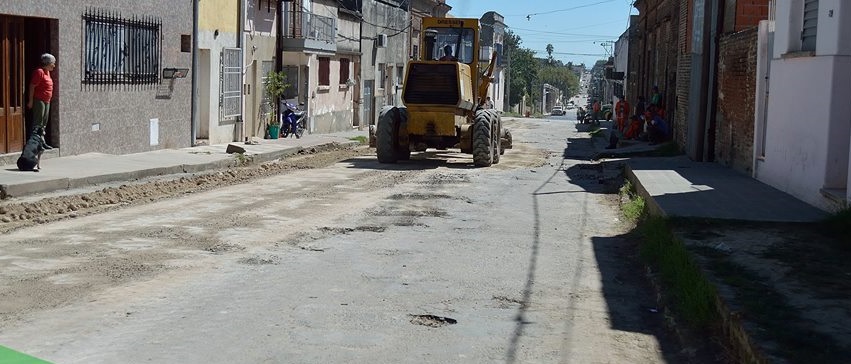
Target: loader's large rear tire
column 387, row 146
column 403, row 152
column 483, row 148
column 386, row 135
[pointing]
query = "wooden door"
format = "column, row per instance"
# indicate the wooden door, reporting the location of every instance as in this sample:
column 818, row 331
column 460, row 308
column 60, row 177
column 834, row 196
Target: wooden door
column 12, row 84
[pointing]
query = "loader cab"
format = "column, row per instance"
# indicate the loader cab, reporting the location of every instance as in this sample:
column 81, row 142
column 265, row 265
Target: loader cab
column 460, row 42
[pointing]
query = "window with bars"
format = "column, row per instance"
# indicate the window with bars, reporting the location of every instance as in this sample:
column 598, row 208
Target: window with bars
column 124, row 51
column 230, row 81
column 266, row 67
column 344, row 70
column 400, row 75
column 324, row 71
column 810, row 27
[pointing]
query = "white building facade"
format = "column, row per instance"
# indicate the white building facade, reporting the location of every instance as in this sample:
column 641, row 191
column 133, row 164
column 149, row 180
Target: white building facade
column 803, row 134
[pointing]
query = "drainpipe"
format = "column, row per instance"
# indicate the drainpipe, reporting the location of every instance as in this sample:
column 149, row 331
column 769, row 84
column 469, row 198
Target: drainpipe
column 279, row 50
column 241, row 45
column 193, row 114
column 711, row 123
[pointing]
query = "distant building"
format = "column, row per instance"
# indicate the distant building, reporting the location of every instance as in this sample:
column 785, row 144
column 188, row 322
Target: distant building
column 492, row 35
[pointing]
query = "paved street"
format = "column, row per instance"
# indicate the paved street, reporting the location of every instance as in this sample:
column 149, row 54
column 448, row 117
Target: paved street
column 429, row 261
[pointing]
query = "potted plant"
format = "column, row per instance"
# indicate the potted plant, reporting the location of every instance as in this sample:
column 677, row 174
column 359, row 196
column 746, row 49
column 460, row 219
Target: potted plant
column 275, row 85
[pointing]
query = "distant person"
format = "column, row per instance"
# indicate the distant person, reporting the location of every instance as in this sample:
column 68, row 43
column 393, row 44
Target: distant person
column 621, row 112
column 656, row 97
column 447, row 54
column 641, row 106
column 488, row 103
column 635, row 127
column 596, row 108
column 657, row 127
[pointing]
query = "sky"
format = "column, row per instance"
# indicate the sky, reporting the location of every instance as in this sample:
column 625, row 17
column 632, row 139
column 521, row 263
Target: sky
column 578, row 29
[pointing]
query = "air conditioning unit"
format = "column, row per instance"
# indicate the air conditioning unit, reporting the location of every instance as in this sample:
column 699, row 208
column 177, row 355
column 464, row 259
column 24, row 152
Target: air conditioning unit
column 381, row 41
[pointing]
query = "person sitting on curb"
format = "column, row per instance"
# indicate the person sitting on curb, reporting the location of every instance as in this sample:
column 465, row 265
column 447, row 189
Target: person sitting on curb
column 635, row 128
column 657, row 128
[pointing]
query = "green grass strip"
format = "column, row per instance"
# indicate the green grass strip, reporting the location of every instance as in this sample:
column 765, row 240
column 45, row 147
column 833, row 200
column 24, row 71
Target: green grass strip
column 691, row 292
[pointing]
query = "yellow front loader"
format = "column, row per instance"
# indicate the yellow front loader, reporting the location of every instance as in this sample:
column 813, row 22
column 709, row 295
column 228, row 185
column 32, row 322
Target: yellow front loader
column 444, row 96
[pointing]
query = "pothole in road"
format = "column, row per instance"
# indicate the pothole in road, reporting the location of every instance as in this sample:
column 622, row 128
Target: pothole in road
column 223, row 248
column 432, row 320
column 419, row 196
column 446, row 178
column 409, row 221
column 507, row 302
column 428, row 196
column 424, row 212
column 347, row 230
column 273, row 260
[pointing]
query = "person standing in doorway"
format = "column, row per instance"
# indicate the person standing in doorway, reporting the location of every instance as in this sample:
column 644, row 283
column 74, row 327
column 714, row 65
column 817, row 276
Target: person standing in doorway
column 41, row 92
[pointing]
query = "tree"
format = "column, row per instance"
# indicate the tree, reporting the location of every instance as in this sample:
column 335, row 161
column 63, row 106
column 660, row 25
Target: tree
column 550, row 52
column 523, row 69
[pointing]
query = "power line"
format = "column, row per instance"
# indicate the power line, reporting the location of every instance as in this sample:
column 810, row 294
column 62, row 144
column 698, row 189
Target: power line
column 565, row 34
column 529, row 16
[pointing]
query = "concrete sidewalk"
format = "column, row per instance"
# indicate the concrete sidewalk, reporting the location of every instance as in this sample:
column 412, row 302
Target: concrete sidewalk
column 680, row 187
column 89, row 169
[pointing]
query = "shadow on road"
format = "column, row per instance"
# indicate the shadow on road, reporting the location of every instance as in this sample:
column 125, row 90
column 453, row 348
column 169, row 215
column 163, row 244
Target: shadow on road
column 419, row 161
column 629, row 297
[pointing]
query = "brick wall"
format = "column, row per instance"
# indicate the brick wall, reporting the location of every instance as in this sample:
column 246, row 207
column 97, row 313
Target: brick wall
column 736, row 93
column 679, row 124
column 750, row 12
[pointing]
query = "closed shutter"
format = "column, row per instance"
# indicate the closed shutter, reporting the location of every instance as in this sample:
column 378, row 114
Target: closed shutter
column 324, row 71
column 231, row 83
column 809, row 32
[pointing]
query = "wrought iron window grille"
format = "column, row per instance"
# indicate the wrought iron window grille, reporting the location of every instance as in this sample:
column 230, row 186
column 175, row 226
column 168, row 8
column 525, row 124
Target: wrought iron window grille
column 120, row 53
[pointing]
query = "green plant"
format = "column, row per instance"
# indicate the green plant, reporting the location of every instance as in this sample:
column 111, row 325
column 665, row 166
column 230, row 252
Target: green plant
column 241, row 159
column 633, row 204
column 360, row 139
column 275, row 86
column 691, row 292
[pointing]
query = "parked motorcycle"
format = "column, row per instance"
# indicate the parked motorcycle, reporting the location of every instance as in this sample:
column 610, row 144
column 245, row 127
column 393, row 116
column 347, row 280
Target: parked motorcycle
column 293, row 121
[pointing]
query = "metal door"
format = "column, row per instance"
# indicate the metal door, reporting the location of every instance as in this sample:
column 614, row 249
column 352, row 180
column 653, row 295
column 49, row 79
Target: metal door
column 12, row 84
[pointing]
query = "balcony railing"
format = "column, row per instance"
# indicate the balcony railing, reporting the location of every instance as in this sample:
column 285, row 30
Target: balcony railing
column 306, row 25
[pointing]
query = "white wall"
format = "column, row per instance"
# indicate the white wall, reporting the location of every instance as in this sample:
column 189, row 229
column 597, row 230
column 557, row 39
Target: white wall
column 808, row 128
column 216, row 130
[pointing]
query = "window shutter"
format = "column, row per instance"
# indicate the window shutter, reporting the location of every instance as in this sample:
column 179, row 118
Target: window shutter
column 809, row 32
column 324, row 71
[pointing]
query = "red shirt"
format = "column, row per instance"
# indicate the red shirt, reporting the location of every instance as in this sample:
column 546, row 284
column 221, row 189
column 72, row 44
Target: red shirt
column 43, row 85
column 622, row 108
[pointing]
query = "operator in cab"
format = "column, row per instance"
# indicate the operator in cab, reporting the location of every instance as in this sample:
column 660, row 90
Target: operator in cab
column 447, row 54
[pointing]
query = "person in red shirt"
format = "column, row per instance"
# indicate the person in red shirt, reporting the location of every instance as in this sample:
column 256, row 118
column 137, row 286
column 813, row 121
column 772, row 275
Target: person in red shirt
column 41, row 92
column 621, row 113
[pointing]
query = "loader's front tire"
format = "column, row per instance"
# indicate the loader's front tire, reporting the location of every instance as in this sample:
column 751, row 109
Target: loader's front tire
column 483, row 148
column 496, row 132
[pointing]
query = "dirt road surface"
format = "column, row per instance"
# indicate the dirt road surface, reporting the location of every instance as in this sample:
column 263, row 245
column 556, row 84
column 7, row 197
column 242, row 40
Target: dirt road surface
column 334, row 258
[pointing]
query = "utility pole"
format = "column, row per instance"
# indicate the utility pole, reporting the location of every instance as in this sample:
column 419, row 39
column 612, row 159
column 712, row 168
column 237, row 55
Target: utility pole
column 507, row 78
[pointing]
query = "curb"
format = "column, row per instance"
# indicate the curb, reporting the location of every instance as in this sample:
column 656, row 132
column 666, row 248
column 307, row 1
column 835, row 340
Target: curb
column 735, row 334
column 64, row 183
